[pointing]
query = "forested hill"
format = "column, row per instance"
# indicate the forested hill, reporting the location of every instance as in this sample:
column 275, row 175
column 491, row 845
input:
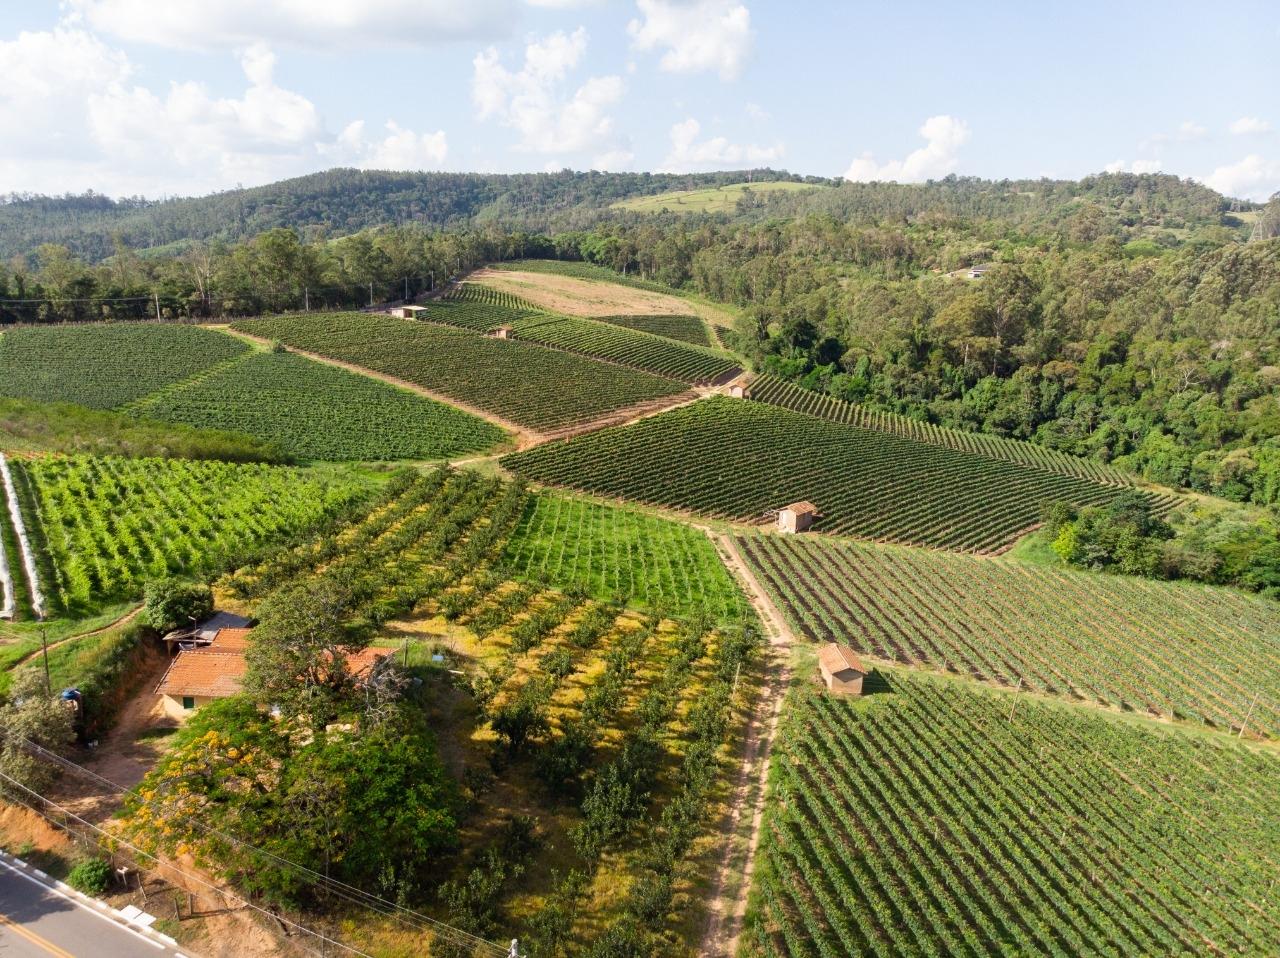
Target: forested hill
column 337, row 202
column 343, row 201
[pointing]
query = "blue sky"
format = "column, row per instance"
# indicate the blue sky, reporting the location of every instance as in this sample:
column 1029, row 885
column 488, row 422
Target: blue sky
column 189, row 96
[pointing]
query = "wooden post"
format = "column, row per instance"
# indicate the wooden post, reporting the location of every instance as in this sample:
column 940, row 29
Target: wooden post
column 157, row 299
column 306, row 299
column 406, row 289
column 44, row 647
column 371, row 294
column 1249, row 714
column 1015, row 698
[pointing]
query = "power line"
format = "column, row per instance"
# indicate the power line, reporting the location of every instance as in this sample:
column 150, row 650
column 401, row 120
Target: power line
column 343, row 890
column 116, row 839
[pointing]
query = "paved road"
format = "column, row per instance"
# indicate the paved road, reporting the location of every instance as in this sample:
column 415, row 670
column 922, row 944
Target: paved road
column 38, row 921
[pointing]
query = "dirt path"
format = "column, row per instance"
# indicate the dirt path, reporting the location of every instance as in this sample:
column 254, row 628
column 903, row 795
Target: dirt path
column 728, row 904
column 127, row 617
column 525, row 437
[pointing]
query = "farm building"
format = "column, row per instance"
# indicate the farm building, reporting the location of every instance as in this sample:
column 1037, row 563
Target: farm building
column 207, row 632
column 979, row 271
column 841, row 671
column 409, row 312
column 198, row 676
column 797, row 517
column 503, row 332
column 739, row 391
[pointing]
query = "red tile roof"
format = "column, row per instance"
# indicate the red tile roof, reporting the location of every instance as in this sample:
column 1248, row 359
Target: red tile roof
column 838, row 658
column 217, row 671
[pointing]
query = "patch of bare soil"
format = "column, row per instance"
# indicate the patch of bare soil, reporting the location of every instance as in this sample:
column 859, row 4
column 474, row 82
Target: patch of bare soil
column 581, row 297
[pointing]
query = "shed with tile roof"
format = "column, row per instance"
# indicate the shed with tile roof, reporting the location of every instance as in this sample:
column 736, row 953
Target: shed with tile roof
column 841, row 671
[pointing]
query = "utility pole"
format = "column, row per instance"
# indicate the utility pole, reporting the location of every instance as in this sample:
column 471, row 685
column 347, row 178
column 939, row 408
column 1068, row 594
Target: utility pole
column 406, row 289
column 157, row 298
column 306, row 299
column 371, row 294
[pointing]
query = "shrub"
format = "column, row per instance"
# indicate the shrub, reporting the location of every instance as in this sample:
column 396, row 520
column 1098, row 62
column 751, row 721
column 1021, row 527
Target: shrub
column 91, row 876
column 173, row 603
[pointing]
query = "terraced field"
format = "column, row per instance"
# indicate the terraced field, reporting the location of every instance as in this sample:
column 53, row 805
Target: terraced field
column 1199, row 652
column 737, row 460
column 314, row 411
column 102, row 527
column 106, row 366
column 938, row 819
column 779, row 392
column 617, row 551
column 521, row 382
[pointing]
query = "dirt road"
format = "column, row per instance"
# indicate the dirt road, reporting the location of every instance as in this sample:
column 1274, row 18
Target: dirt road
column 732, row 884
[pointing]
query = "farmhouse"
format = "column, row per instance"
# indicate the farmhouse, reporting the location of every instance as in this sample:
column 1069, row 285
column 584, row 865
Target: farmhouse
column 198, row 676
column 409, row 312
column 979, row 271
column 841, row 671
column 797, row 517
column 221, row 625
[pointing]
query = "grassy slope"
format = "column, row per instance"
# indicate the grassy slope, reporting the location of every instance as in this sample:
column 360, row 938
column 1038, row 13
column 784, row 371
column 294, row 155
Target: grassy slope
column 722, row 199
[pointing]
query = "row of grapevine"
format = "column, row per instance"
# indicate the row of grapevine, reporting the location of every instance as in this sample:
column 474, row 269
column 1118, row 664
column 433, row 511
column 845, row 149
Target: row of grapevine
column 686, row 329
column 619, row 551
column 779, row 392
column 738, row 460
column 106, row 366
column 483, row 295
column 109, row 524
column 482, row 308
column 314, row 411
column 522, row 382
column 1197, row 652
column 931, row 818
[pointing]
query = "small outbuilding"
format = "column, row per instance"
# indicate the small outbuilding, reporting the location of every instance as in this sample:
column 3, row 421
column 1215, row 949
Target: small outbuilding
column 409, row 312
column 739, row 391
column 797, row 517
column 979, row 271
column 841, row 671
column 503, row 332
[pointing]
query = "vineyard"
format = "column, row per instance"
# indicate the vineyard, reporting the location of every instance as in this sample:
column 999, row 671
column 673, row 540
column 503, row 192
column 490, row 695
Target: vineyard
column 929, row 819
column 687, row 329
column 479, row 307
column 1196, row 652
column 580, row 270
column 524, row 383
column 608, row 724
column 480, row 295
column 314, row 411
column 779, row 392
column 106, row 366
column 737, row 460
column 103, row 526
column 615, row 551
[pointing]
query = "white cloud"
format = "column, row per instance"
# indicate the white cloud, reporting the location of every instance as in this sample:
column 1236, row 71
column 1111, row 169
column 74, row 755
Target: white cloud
column 1252, row 178
column 1189, row 130
column 400, row 149
column 535, row 100
column 688, row 154
column 613, row 161
column 1133, row 166
column 1249, row 124
column 943, row 135
column 228, row 24
column 77, row 119
column 697, row 35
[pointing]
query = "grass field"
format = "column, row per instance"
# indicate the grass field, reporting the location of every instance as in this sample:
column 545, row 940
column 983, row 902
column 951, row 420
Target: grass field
column 737, row 460
column 104, row 526
column 314, row 411
column 1199, row 652
column 616, row 551
column 933, row 818
column 106, row 366
column 521, row 382
column 717, row 199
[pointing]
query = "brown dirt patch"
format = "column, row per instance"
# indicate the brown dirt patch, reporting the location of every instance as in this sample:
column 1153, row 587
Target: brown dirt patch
column 582, row 297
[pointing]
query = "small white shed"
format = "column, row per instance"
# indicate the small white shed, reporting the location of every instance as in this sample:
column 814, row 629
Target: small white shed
column 841, row 671
column 797, row 517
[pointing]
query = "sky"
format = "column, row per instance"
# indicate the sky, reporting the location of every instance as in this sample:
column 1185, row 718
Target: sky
column 186, row 97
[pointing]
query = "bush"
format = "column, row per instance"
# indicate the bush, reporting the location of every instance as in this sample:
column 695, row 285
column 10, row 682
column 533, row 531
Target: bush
column 91, row 876
column 173, row 603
